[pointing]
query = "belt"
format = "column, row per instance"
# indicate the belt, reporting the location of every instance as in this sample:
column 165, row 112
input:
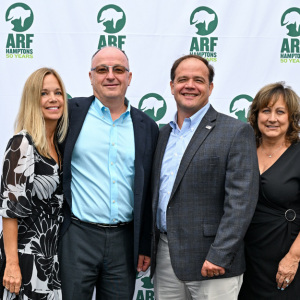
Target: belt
column 290, row 215
column 101, row 224
column 265, row 213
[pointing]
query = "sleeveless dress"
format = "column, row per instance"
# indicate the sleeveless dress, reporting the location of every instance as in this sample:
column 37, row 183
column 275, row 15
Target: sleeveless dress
column 31, row 191
column 274, row 227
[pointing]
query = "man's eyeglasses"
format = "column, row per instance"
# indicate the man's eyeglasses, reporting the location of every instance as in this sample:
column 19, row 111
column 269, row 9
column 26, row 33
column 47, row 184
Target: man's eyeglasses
column 104, row 69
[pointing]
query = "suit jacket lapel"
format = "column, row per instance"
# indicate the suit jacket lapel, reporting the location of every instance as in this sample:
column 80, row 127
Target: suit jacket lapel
column 77, row 113
column 204, row 129
column 157, row 163
column 161, row 147
column 77, row 117
column 139, row 145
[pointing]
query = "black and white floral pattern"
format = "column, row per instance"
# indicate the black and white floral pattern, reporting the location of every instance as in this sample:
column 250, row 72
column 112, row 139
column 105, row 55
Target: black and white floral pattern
column 31, row 191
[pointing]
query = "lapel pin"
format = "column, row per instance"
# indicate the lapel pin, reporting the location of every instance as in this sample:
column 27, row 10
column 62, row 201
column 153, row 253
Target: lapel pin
column 208, row 127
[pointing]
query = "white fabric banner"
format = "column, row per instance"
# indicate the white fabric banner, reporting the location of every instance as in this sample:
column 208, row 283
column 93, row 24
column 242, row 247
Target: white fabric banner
column 250, row 44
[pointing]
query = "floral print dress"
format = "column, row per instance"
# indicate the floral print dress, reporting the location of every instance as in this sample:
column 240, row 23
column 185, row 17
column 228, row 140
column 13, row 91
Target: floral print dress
column 31, row 191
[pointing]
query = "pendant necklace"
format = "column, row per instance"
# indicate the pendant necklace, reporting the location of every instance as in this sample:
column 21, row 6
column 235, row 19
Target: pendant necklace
column 270, row 155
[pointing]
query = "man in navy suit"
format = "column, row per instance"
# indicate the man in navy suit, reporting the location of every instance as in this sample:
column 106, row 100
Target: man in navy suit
column 106, row 234
column 205, row 189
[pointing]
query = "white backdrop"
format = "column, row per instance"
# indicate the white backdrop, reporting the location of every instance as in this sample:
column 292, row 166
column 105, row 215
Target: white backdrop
column 250, row 43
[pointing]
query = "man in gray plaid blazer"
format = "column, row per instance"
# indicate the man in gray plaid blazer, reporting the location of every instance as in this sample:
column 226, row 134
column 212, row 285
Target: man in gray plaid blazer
column 205, row 188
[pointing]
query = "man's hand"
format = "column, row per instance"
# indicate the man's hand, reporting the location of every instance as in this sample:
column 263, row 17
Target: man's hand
column 210, row 270
column 143, row 263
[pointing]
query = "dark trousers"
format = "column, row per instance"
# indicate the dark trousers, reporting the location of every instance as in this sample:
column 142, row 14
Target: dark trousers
column 91, row 256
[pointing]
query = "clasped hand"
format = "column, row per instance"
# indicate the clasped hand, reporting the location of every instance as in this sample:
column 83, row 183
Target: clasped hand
column 210, row 270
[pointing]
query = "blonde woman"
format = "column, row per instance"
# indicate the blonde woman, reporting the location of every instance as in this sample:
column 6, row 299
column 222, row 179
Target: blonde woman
column 31, row 192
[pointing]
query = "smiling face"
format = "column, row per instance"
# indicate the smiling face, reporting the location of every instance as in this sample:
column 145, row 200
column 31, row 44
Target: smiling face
column 52, row 100
column 110, row 86
column 191, row 87
column 273, row 120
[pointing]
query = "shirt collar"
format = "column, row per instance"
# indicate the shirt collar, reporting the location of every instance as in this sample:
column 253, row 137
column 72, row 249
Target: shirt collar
column 192, row 121
column 103, row 110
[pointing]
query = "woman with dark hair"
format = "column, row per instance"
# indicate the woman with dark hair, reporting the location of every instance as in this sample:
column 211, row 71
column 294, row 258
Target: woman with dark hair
column 273, row 241
column 31, row 191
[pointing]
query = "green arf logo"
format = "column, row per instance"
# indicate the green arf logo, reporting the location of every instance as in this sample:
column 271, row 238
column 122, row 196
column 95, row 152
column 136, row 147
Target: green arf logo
column 147, row 283
column 20, row 16
column 147, row 292
column 205, row 20
column 153, row 105
column 240, row 106
column 291, row 20
column 112, row 17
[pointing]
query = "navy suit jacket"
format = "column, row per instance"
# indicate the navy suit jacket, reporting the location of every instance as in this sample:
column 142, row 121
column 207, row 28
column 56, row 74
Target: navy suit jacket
column 145, row 135
column 213, row 198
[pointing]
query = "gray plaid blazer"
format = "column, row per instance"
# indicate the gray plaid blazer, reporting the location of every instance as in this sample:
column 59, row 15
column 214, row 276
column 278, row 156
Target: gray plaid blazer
column 213, row 197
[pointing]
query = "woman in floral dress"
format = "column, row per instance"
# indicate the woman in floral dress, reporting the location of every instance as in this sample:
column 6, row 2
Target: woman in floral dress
column 31, row 191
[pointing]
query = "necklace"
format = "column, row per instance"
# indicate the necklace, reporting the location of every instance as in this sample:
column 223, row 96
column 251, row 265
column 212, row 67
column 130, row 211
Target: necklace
column 270, row 155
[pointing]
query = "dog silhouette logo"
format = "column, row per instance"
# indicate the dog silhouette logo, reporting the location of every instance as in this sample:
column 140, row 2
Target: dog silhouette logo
column 204, row 19
column 20, row 16
column 153, row 105
column 239, row 106
column 291, row 20
column 112, row 18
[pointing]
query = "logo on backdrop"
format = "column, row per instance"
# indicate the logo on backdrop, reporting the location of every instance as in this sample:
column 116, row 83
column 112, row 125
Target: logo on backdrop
column 112, row 20
column 291, row 20
column 205, row 21
column 154, row 106
column 239, row 106
column 146, row 291
column 20, row 16
column 290, row 48
column 18, row 45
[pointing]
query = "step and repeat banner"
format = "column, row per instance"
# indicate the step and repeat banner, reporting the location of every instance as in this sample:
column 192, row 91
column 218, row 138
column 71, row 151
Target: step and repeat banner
column 250, row 44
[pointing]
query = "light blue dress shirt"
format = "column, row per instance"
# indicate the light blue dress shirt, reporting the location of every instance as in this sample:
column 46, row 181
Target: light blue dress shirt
column 102, row 167
column 177, row 144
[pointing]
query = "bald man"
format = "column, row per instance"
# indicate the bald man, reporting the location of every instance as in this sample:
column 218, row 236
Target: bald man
column 107, row 163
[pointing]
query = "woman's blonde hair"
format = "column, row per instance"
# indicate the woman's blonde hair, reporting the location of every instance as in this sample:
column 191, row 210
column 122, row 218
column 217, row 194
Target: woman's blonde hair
column 272, row 92
column 30, row 116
